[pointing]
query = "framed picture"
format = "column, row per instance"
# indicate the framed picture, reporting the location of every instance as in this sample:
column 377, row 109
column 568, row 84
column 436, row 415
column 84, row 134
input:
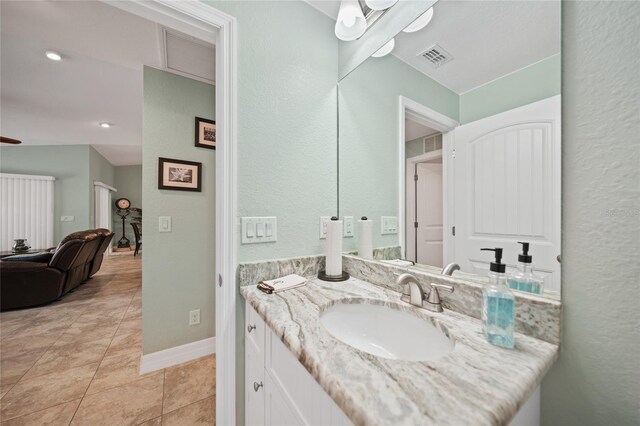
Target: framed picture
column 205, row 133
column 179, row 175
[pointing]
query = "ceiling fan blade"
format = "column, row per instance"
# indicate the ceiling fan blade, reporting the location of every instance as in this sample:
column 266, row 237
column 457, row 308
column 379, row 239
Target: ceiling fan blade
column 9, row 140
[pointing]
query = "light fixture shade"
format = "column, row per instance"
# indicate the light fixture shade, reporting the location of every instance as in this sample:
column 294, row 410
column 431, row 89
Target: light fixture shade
column 422, row 21
column 351, row 23
column 386, row 49
column 380, row 4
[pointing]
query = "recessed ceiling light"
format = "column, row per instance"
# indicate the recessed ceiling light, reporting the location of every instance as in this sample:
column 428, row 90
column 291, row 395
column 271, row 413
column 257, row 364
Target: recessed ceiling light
column 54, row 56
column 105, row 125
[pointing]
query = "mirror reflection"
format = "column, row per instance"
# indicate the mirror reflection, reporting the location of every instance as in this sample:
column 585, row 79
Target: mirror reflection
column 450, row 142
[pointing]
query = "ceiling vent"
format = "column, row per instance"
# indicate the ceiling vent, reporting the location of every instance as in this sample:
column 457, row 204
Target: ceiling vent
column 436, row 56
column 189, row 56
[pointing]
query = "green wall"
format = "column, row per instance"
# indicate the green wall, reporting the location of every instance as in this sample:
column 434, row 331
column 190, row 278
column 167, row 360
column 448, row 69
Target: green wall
column 100, row 170
column 287, row 72
column 369, row 103
column 596, row 381
column 128, row 182
column 177, row 267
column 533, row 83
column 69, row 164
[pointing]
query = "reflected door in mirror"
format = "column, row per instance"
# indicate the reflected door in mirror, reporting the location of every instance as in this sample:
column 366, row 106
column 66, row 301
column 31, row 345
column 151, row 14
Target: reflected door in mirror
column 507, row 188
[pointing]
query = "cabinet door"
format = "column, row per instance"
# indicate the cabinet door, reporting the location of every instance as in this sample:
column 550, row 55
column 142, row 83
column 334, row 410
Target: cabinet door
column 254, row 368
column 279, row 410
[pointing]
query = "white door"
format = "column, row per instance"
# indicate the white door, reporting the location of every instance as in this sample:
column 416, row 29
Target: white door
column 507, row 188
column 102, row 206
column 429, row 213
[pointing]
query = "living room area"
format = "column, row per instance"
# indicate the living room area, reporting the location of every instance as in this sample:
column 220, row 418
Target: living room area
column 80, row 104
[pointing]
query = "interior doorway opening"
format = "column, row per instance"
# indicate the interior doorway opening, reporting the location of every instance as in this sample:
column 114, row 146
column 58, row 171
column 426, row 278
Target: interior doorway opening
column 425, row 136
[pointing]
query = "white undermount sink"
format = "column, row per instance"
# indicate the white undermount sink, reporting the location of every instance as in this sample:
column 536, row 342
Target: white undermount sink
column 386, row 332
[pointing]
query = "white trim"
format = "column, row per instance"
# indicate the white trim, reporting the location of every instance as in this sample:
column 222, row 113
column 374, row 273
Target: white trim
column 104, row 185
column 443, row 124
column 177, row 355
column 34, row 177
column 203, row 21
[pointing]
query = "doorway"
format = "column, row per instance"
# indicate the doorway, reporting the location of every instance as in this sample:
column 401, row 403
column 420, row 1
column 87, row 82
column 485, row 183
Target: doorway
column 425, row 209
column 425, row 136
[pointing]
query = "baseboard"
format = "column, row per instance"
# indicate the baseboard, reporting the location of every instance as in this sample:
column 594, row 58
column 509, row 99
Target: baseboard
column 177, row 355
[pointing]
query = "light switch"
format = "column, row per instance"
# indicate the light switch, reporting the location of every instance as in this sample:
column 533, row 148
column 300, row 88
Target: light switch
column 251, row 230
column 259, row 230
column 348, row 226
column 67, row 218
column 164, row 224
column 389, row 225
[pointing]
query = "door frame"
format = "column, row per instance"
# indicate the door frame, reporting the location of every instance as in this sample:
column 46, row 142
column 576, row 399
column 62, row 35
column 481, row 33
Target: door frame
column 410, row 184
column 205, row 22
column 445, row 125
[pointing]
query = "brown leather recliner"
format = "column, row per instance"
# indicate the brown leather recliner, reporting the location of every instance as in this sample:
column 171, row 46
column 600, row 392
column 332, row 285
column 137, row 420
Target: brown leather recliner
column 25, row 284
column 96, row 262
column 76, row 274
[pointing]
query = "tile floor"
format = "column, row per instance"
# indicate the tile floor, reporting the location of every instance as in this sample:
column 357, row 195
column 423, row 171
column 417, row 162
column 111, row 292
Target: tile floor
column 76, row 361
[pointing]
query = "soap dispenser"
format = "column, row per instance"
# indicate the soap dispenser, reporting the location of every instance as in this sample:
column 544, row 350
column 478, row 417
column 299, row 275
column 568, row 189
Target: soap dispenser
column 524, row 279
column 498, row 305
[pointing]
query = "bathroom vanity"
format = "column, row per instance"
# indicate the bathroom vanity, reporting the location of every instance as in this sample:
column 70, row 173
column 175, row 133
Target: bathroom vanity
column 298, row 372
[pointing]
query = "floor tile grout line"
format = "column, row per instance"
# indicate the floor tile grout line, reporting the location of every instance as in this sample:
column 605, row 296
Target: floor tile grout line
column 102, row 359
column 189, row 404
column 47, row 350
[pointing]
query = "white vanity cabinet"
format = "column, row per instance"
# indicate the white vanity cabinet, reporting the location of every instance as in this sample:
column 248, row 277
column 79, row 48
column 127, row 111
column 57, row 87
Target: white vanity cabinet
column 278, row 389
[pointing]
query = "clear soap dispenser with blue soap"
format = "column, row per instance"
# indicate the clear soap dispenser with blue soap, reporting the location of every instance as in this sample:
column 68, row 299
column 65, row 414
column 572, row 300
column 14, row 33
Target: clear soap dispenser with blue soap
column 498, row 305
column 525, row 279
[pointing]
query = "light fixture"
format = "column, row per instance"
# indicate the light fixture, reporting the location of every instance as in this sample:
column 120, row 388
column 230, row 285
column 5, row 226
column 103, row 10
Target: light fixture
column 351, row 22
column 380, row 4
column 105, row 125
column 386, row 49
column 54, row 56
column 422, row 21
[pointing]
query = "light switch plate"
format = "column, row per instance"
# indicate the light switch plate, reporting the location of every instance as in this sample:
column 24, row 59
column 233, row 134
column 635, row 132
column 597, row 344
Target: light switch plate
column 348, row 230
column 389, row 225
column 164, row 224
column 67, row 218
column 259, row 229
column 324, row 220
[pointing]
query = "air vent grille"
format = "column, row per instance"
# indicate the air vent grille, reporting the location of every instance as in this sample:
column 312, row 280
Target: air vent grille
column 436, row 56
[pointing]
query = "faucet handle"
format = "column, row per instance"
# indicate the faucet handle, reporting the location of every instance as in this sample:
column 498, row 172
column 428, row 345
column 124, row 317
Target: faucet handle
column 446, row 287
column 434, row 296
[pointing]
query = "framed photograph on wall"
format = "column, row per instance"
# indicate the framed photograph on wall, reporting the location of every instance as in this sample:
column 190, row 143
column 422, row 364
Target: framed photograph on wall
column 205, row 133
column 179, row 175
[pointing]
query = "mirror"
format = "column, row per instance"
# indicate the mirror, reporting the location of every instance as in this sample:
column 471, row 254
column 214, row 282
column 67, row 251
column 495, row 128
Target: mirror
column 451, row 143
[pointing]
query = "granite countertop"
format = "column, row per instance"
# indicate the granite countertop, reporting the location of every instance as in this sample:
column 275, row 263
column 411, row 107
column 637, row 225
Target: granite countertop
column 477, row 383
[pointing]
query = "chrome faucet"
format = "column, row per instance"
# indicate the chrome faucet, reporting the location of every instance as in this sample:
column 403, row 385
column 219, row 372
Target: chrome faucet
column 450, row 269
column 412, row 293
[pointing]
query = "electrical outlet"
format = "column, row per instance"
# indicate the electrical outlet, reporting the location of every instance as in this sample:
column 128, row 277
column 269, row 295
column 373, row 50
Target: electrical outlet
column 67, row 218
column 389, row 225
column 324, row 220
column 348, row 227
column 194, row 317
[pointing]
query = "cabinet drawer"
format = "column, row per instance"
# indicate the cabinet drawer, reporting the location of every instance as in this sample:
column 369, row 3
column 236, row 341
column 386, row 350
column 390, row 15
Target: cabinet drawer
column 254, row 330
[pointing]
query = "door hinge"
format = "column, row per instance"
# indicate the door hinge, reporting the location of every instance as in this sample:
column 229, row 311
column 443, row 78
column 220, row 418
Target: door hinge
column 219, row 280
column 453, row 231
column 453, row 153
column 415, row 178
column 415, row 225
